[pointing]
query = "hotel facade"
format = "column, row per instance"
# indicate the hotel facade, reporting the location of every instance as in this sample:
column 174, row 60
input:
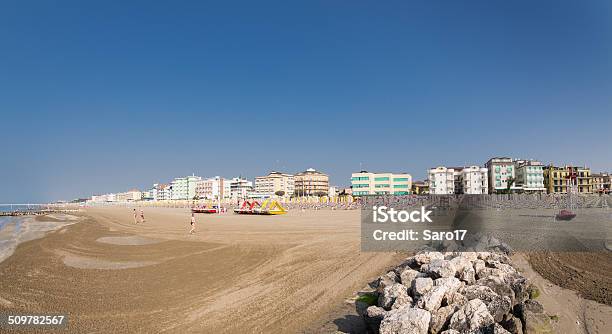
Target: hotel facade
column 213, row 188
column 530, row 176
column 501, row 171
column 365, row 183
column 269, row 185
column 473, row 180
column 311, row 183
column 458, row 180
column 240, row 188
column 184, row 187
column 601, row 183
column 558, row 180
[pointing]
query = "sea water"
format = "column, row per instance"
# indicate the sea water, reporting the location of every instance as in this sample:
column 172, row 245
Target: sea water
column 16, row 230
column 20, row 207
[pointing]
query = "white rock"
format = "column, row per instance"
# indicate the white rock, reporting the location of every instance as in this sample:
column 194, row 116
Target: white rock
column 391, row 293
column 461, row 262
column 483, row 293
column 386, row 280
column 468, row 275
column 408, row 275
column 452, row 284
column 471, row 316
column 441, row 318
column 427, row 257
column 421, row 285
column 406, row 320
column 439, row 268
column 479, row 265
column 432, row 300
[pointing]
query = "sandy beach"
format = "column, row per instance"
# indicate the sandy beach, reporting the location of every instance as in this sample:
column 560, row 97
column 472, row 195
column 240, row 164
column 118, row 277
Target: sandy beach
column 294, row 273
column 236, row 274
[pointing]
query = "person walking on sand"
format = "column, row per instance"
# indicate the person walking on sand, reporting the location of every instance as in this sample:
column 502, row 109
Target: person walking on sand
column 192, row 231
column 135, row 217
column 142, row 215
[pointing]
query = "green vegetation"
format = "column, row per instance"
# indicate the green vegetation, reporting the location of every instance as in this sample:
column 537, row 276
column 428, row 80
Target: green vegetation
column 368, row 298
column 533, row 292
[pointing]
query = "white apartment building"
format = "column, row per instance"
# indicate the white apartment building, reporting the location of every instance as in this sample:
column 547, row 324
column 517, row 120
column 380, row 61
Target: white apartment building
column 442, row 180
column 129, row 196
column 474, row 180
column 240, row 188
column 184, row 187
column 457, row 180
column 366, row 183
column 161, row 192
column 147, row 195
column 227, row 189
column 269, row 185
column 103, row 198
column 530, row 176
column 213, row 188
column 501, row 171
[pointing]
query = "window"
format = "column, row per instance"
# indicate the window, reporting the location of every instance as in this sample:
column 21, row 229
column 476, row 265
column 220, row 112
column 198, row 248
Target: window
column 381, row 179
column 358, row 193
column 360, row 178
column 400, row 186
column 400, row 179
column 382, row 186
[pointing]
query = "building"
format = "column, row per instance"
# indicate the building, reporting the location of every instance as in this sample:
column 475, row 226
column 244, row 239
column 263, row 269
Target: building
column 147, row 195
column 103, row 198
column 162, row 192
column 420, row 187
column 502, row 175
column 558, row 180
column 212, row 188
column 441, row 180
column 473, row 180
column 365, row 183
column 227, row 189
column 184, row 187
column 311, row 183
column 607, row 183
column 457, row 180
column 129, row 196
column 273, row 183
column 529, row 176
column 599, row 183
column 240, row 188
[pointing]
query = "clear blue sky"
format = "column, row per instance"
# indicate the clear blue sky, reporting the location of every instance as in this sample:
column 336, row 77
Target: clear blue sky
column 102, row 96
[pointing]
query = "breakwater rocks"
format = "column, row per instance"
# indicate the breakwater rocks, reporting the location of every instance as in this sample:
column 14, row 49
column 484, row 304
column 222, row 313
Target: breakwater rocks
column 452, row 293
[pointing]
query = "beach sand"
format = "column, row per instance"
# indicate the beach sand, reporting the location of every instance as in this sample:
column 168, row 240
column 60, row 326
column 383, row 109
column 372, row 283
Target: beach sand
column 245, row 274
column 575, row 314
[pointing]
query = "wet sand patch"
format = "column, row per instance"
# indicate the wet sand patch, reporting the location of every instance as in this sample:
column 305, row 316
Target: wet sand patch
column 81, row 262
column 133, row 240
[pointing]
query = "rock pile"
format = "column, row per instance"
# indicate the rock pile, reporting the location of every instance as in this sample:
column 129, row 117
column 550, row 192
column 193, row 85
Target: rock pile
column 451, row 293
